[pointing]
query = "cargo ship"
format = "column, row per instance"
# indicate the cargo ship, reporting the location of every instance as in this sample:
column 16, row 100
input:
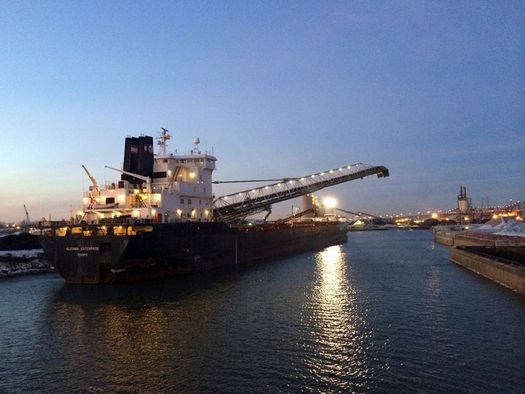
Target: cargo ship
column 161, row 219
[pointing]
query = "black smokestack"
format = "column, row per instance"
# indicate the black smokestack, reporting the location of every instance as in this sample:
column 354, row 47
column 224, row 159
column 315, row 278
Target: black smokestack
column 138, row 158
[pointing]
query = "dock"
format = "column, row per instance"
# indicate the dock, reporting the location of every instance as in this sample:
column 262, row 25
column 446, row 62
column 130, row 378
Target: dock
column 500, row 258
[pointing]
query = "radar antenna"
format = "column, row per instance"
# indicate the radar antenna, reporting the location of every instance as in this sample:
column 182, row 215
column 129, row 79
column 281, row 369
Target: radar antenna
column 162, row 141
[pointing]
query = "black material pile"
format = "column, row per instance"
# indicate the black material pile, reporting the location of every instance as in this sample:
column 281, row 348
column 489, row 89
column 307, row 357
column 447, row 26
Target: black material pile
column 21, row 241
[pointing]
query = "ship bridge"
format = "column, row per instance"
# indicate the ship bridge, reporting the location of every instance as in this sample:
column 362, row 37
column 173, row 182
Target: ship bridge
column 237, row 206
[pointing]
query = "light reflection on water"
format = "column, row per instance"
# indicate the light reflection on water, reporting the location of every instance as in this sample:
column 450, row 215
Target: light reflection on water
column 383, row 312
column 338, row 359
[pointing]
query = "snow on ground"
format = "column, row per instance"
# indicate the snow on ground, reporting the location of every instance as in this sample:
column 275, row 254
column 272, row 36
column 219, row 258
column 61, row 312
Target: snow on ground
column 502, row 226
column 18, row 262
column 9, row 232
column 31, row 267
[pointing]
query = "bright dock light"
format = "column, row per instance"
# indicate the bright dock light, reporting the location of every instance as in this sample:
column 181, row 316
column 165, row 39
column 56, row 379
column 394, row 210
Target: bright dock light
column 329, row 202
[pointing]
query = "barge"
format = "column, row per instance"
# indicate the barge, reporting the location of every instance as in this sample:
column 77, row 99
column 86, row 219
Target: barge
column 498, row 257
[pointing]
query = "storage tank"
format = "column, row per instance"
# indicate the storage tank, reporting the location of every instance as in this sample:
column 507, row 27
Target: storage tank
column 308, row 202
column 463, row 202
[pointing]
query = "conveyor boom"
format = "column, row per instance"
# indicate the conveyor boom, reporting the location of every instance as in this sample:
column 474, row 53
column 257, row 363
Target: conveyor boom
column 248, row 202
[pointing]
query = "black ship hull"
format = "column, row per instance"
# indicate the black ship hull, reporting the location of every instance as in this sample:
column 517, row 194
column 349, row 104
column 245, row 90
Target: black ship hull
column 107, row 254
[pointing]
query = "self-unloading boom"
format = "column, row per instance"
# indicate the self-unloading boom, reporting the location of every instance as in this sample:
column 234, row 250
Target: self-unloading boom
column 236, row 206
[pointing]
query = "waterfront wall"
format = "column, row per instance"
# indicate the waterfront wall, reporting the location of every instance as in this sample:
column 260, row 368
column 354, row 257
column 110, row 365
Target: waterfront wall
column 508, row 275
column 488, row 240
column 444, row 238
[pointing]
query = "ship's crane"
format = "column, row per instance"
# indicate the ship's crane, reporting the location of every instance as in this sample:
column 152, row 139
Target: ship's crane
column 94, row 188
column 146, row 179
column 93, row 180
column 237, row 206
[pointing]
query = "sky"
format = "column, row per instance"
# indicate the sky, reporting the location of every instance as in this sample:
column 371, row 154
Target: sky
column 432, row 90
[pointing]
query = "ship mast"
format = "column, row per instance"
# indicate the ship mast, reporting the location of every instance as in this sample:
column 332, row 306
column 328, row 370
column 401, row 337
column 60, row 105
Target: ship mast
column 163, row 141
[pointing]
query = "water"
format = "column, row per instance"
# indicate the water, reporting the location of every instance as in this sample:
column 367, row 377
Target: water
column 386, row 311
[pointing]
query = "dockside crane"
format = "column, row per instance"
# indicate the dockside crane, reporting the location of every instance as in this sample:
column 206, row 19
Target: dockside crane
column 28, row 221
column 237, row 206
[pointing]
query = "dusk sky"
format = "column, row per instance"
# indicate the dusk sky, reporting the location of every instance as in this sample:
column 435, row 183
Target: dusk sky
column 435, row 91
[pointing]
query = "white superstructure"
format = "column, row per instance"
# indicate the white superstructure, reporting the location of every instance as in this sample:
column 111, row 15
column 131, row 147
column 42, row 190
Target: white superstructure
column 180, row 189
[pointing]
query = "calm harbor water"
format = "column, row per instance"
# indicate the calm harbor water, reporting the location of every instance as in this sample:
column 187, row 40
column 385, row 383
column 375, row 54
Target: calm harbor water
column 386, row 311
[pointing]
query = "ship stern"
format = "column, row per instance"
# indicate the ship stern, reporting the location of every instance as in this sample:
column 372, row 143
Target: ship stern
column 85, row 260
